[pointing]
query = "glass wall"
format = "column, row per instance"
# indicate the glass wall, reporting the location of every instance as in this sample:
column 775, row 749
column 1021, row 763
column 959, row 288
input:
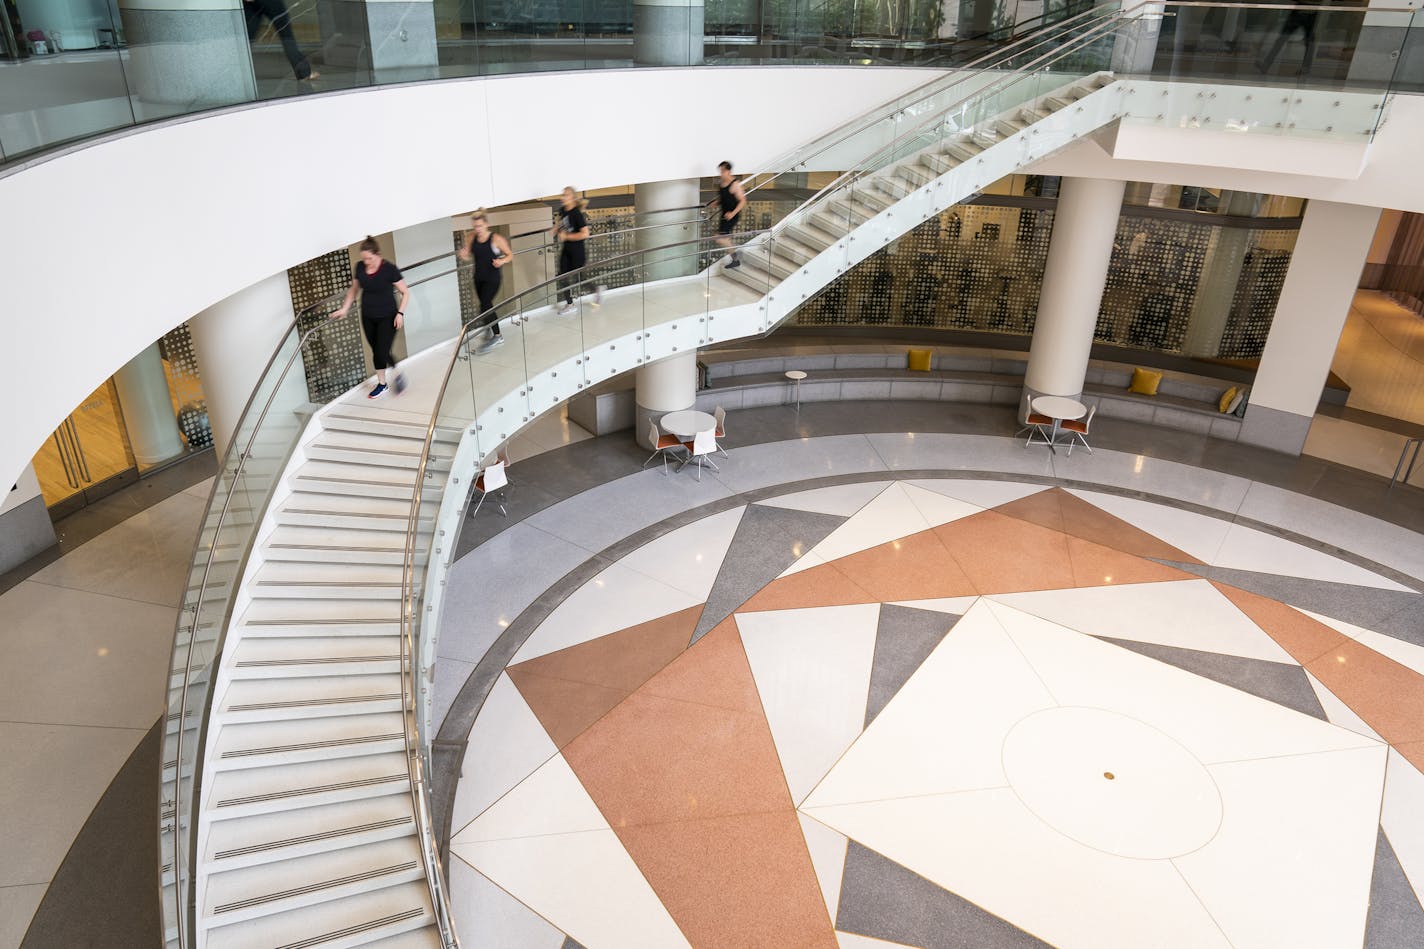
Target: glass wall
column 70, row 69
column 1194, row 272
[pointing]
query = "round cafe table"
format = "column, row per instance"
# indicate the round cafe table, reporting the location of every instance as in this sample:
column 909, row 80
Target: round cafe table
column 796, row 375
column 685, row 425
column 1058, row 408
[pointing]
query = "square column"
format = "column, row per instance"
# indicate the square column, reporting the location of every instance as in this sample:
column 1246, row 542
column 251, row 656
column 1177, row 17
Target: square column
column 433, row 315
column 1315, row 300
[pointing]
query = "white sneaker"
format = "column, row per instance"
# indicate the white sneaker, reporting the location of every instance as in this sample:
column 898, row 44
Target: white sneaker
column 492, row 343
column 566, row 309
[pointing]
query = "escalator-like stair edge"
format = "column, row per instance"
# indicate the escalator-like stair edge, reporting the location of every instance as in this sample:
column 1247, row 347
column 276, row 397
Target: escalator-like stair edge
column 371, row 874
column 318, row 789
column 311, row 838
column 309, row 746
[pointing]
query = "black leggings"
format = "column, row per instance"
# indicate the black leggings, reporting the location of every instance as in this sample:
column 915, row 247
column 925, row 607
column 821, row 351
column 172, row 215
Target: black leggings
column 485, row 291
column 275, row 12
column 572, row 256
column 381, row 335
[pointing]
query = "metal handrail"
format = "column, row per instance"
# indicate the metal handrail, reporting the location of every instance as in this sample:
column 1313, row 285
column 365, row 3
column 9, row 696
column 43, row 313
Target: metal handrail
column 1417, row 443
column 415, row 763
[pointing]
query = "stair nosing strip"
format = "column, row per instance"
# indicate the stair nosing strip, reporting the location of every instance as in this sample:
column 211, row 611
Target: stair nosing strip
column 313, row 661
column 353, row 930
column 316, row 887
column 309, row 745
column 325, row 835
column 302, row 703
column 320, row 789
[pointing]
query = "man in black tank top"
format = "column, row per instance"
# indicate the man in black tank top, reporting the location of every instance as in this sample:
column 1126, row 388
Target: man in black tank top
column 731, row 200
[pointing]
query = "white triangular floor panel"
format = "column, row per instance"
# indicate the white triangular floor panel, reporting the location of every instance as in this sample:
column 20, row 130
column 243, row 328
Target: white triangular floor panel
column 890, row 515
column 688, row 558
column 842, row 500
column 828, row 854
column 505, row 746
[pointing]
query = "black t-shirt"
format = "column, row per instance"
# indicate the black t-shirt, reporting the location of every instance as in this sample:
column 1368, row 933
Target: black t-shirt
column 573, row 220
column 378, row 290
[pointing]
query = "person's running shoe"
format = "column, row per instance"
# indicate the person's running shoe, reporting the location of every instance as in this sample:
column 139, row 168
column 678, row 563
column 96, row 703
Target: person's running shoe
column 492, row 343
column 377, row 392
column 598, row 296
column 566, row 309
column 399, row 383
column 734, row 262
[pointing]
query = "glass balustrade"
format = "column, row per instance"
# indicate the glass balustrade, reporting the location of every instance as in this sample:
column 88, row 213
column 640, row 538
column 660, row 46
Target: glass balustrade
column 65, row 78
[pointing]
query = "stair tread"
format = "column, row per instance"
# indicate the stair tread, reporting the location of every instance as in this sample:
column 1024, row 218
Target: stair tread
column 331, row 823
column 301, row 780
column 400, row 908
column 268, row 882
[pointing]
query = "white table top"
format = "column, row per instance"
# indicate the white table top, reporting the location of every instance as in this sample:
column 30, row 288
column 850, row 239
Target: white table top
column 1059, row 407
column 796, row 374
column 687, row 423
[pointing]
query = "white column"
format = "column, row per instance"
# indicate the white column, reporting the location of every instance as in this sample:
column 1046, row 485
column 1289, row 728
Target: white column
column 668, row 385
column 433, row 314
column 1315, row 300
column 147, row 407
column 667, row 32
column 234, row 341
column 658, row 202
column 1073, row 279
column 1220, row 273
column 186, row 55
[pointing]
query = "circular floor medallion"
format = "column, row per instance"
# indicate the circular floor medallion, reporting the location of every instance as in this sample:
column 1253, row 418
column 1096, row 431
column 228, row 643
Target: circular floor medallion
column 1112, row 782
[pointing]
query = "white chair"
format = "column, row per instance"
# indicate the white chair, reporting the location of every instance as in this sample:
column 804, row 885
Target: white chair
column 492, row 478
column 1032, row 421
column 720, row 414
column 662, row 444
column 702, row 445
column 1078, row 430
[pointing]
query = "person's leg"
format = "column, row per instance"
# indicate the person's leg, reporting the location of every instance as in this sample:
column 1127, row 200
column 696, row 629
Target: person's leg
column 386, row 335
column 371, row 329
column 253, row 12
column 485, row 291
column 724, row 231
column 565, row 286
column 1307, row 24
column 276, row 13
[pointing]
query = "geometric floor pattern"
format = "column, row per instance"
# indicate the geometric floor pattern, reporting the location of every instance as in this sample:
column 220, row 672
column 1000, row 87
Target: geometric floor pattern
column 954, row 713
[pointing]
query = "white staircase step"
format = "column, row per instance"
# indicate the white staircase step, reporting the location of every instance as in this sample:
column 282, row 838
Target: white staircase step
column 368, row 513
column 250, row 792
column 376, row 450
column 398, row 425
column 421, row 939
column 293, row 542
column 337, row 924
column 243, row 842
column 263, row 744
column 325, row 656
column 262, row 700
column 320, row 617
column 752, row 276
column 245, row 893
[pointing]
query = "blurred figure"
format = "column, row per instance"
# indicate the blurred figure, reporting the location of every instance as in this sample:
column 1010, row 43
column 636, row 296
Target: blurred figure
column 1304, row 20
column 275, row 12
column 572, row 232
column 490, row 252
column 378, row 280
column 730, row 202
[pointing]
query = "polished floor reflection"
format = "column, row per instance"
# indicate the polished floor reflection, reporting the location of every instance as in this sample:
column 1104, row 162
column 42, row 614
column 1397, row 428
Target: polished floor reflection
column 953, row 712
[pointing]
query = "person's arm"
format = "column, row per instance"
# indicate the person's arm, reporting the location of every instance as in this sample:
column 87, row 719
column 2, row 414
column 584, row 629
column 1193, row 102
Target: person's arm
column 404, row 302
column 345, row 307
column 468, row 251
column 741, row 197
column 505, row 255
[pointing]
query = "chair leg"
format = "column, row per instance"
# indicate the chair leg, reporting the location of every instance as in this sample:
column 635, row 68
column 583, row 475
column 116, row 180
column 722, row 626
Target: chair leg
column 502, row 499
column 1082, row 438
column 656, row 452
column 478, row 503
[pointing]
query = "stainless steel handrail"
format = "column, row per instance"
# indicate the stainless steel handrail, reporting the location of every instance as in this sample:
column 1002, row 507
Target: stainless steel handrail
column 1418, row 443
column 414, row 739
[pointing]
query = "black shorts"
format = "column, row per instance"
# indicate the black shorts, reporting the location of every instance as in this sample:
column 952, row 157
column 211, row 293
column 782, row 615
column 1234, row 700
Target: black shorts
column 725, row 225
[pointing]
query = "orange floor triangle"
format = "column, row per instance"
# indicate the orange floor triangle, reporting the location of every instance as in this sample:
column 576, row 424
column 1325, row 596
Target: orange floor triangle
column 687, row 774
column 1043, row 508
column 825, row 585
column 917, row 567
column 1095, row 565
column 1304, row 638
column 572, row 688
column 1090, row 522
column 1002, row 554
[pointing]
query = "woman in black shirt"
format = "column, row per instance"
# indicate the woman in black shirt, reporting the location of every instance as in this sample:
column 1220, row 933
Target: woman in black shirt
column 490, row 252
column 378, row 280
column 571, row 232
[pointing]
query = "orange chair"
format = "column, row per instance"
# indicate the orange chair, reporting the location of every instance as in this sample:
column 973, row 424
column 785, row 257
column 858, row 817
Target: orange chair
column 1032, row 421
column 662, row 444
column 1079, row 430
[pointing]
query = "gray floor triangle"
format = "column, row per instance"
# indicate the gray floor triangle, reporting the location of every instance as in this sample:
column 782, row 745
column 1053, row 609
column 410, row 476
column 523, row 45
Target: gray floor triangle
column 1396, row 919
column 883, row 900
column 1396, row 613
column 903, row 639
column 1279, row 682
column 767, row 541
column 569, row 943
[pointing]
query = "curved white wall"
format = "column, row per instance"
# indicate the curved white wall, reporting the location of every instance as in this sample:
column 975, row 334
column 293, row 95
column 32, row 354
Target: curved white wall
column 109, row 247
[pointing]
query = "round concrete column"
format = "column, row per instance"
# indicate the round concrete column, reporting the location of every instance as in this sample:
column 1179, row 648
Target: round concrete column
column 1073, row 279
column 662, row 387
column 665, row 203
column 148, row 408
column 186, row 55
column 667, row 32
column 234, row 341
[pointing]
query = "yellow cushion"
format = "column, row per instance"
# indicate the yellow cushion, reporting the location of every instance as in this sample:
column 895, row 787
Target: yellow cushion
column 1224, row 403
column 1145, row 382
column 920, row 360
